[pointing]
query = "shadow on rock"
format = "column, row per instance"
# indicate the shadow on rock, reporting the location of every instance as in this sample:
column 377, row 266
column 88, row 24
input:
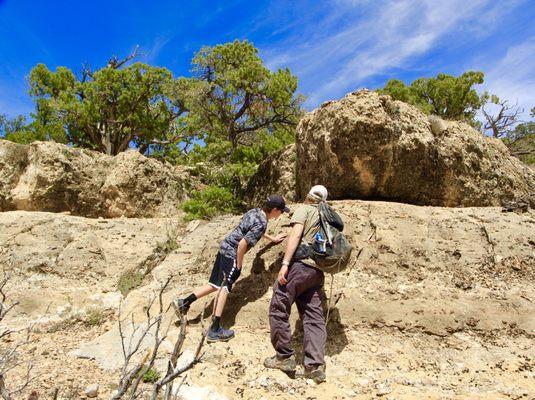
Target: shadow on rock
column 247, row 289
column 253, row 286
column 336, row 336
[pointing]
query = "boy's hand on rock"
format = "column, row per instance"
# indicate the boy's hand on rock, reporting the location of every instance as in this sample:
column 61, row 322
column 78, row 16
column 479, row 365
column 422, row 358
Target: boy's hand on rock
column 279, row 238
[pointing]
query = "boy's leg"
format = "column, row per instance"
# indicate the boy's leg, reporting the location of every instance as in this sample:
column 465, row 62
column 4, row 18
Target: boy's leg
column 204, row 291
column 221, row 301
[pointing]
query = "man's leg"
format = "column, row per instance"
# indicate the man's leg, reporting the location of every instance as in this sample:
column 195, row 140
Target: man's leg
column 279, row 314
column 310, row 309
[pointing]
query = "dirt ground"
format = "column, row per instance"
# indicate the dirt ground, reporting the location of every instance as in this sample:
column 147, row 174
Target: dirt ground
column 439, row 303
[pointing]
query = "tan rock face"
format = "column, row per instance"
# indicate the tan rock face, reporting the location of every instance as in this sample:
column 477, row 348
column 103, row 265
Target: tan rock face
column 13, row 161
column 275, row 175
column 433, row 297
column 47, row 176
column 369, row 146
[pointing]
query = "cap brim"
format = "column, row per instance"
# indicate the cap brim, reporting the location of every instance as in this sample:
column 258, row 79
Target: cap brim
column 286, row 209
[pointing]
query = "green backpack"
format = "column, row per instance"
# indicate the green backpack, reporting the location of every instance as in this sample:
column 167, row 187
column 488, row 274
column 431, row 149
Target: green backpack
column 330, row 249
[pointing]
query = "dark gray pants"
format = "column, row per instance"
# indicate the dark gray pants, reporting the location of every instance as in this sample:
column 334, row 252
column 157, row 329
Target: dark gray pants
column 304, row 287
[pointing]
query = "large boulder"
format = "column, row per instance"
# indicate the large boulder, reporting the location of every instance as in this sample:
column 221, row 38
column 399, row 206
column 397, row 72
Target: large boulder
column 276, row 174
column 368, row 146
column 48, row 176
column 13, row 161
column 140, row 186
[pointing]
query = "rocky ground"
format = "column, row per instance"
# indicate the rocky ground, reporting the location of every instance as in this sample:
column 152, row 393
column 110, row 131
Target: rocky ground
column 438, row 303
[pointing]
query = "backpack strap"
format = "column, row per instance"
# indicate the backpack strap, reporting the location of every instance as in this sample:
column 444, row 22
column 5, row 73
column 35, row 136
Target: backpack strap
column 324, row 224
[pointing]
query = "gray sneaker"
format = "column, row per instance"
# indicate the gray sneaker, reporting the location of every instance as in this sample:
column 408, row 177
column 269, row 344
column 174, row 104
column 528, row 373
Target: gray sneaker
column 180, row 307
column 220, row 335
column 284, row 364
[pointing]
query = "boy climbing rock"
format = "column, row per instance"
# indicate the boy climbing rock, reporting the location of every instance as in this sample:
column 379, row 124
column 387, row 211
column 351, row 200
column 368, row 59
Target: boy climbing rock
column 229, row 261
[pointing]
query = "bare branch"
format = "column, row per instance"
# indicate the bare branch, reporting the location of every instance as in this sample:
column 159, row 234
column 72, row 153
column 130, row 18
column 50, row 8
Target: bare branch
column 506, row 117
column 115, row 63
column 9, row 358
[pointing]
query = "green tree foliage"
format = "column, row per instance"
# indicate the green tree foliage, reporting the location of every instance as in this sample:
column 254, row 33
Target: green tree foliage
column 18, row 130
column 236, row 96
column 10, row 128
column 222, row 122
column 523, row 130
column 209, row 202
column 240, row 112
column 447, row 96
column 110, row 109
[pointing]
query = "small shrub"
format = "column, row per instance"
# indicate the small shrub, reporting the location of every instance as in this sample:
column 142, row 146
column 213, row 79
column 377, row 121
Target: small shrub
column 64, row 324
column 151, row 376
column 208, row 203
column 95, row 317
column 129, row 280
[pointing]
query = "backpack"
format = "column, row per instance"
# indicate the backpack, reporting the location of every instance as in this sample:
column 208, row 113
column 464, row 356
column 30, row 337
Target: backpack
column 331, row 249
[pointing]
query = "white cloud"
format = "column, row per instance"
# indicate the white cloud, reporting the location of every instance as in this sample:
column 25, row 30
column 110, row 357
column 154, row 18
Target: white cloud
column 512, row 77
column 151, row 52
column 359, row 39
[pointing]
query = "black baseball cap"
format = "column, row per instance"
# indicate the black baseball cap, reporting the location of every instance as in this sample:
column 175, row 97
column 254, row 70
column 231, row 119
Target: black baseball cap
column 276, row 201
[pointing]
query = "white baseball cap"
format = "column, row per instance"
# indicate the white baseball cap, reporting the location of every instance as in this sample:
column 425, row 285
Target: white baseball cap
column 318, row 192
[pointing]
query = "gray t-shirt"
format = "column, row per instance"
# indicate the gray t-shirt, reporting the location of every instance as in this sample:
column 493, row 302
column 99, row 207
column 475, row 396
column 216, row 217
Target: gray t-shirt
column 251, row 228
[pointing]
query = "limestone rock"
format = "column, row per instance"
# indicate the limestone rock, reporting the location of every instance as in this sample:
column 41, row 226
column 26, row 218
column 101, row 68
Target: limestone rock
column 106, row 349
column 91, row 390
column 48, row 176
column 13, row 160
column 141, row 186
column 401, row 314
column 276, row 174
column 368, row 146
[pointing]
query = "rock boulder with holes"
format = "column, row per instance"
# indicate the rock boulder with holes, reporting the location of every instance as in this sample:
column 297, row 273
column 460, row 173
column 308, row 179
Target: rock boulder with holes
column 369, row 146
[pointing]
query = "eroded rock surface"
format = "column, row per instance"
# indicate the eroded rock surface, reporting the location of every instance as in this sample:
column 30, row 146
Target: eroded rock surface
column 276, row 174
column 438, row 302
column 47, row 176
column 367, row 146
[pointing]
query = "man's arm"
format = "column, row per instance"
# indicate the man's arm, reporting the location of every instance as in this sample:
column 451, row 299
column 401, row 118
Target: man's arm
column 294, row 237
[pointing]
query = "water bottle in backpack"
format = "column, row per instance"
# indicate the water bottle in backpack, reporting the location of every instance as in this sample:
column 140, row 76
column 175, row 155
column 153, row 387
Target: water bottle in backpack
column 320, row 244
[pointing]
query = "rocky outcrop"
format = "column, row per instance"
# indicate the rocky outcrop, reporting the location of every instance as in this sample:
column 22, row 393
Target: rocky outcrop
column 276, row 174
column 47, row 176
column 13, row 161
column 368, row 146
column 428, row 289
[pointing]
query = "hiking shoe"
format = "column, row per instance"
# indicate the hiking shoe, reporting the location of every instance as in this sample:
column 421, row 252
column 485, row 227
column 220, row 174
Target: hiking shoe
column 317, row 374
column 219, row 335
column 180, row 307
column 286, row 364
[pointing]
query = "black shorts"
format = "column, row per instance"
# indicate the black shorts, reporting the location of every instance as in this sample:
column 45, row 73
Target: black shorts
column 221, row 268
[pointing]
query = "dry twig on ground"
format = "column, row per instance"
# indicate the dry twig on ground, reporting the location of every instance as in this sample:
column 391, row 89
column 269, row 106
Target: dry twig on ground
column 132, row 373
column 9, row 354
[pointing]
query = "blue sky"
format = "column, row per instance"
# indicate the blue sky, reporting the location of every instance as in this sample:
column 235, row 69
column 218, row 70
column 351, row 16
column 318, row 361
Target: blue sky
column 333, row 46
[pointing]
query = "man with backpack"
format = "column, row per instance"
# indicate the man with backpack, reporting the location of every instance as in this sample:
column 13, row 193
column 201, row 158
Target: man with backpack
column 229, row 261
column 301, row 280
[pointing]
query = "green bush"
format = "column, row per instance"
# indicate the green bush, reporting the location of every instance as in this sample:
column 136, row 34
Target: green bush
column 211, row 201
column 95, row 317
column 151, row 376
column 128, row 281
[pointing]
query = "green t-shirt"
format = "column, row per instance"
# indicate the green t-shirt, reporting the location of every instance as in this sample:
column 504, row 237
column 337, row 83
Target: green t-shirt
column 308, row 216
